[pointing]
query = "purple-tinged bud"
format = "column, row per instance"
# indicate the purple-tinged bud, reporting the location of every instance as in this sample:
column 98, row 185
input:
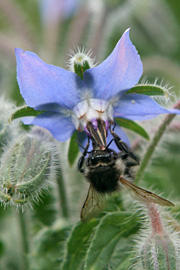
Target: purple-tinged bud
column 26, row 167
column 158, row 247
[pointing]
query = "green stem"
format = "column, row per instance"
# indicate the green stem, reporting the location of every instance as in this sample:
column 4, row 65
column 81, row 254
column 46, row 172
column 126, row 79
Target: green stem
column 62, row 193
column 25, row 242
column 152, row 146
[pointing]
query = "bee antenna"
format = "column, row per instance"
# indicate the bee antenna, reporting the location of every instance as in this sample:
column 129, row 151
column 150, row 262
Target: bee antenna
column 109, row 144
column 114, row 126
column 80, row 144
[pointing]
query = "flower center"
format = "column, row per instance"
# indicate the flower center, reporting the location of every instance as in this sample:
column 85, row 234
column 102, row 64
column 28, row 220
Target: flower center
column 90, row 111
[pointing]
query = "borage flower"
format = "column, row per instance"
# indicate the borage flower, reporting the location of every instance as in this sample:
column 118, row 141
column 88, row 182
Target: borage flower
column 70, row 102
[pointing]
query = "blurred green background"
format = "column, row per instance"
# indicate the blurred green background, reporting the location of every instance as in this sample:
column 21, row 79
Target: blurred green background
column 97, row 25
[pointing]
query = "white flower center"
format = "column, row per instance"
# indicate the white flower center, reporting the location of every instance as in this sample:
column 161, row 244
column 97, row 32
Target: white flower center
column 90, row 110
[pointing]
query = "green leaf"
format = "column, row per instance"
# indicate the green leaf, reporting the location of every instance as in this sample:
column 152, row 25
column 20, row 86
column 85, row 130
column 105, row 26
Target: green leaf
column 77, row 245
column 112, row 229
column 126, row 262
column 149, row 90
column 48, row 246
column 73, row 149
column 23, row 112
column 129, row 124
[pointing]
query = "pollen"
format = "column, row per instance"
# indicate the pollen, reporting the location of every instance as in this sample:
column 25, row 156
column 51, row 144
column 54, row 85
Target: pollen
column 133, row 101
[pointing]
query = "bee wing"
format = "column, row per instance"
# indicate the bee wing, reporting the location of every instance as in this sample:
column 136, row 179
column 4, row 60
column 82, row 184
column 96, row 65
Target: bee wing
column 144, row 195
column 93, row 205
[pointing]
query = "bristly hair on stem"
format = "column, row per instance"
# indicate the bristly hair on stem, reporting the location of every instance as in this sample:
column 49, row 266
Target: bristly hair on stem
column 156, row 139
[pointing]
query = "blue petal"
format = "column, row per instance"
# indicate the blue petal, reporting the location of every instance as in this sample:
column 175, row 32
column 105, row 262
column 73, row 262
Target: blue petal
column 120, row 71
column 41, row 83
column 60, row 126
column 83, row 139
column 51, row 107
column 139, row 107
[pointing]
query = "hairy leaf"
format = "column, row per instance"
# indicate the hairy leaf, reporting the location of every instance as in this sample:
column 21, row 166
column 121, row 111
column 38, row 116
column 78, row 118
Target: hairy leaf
column 129, row 124
column 23, row 112
column 148, row 89
column 77, row 245
column 112, row 228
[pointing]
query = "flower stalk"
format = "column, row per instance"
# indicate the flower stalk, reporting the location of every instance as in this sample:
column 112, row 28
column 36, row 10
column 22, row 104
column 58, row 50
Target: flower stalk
column 152, row 146
column 62, row 194
column 24, row 239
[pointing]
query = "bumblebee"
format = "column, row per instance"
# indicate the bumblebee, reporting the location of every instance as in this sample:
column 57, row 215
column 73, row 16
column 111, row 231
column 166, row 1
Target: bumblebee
column 107, row 170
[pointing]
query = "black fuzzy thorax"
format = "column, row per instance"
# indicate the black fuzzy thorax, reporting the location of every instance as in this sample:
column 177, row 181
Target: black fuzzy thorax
column 104, row 179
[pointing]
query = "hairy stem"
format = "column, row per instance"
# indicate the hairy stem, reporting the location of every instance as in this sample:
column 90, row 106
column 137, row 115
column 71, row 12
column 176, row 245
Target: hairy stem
column 24, row 239
column 152, row 146
column 62, row 194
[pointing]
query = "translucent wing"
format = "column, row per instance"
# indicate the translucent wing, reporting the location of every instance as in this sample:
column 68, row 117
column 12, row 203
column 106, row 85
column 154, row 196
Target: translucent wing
column 93, row 205
column 144, row 195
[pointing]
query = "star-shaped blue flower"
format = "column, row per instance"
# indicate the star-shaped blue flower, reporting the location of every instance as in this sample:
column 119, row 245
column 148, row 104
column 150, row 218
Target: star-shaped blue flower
column 70, row 102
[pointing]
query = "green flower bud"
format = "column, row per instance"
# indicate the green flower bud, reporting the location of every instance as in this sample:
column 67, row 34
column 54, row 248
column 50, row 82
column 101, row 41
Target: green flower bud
column 80, row 62
column 158, row 245
column 159, row 253
column 26, row 168
column 6, row 131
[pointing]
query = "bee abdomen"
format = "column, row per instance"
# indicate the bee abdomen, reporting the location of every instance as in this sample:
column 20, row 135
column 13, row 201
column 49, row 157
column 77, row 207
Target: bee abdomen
column 104, row 179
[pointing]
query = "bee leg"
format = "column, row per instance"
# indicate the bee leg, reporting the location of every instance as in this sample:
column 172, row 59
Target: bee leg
column 82, row 158
column 131, row 164
column 122, row 146
column 128, row 169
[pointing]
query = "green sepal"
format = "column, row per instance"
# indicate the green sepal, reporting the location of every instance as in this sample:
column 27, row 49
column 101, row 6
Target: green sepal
column 23, row 112
column 79, row 69
column 148, row 89
column 129, row 124
column 73, row 149
column 33, row 184
column 4, row 197
column 21, row 202
column 77, row 245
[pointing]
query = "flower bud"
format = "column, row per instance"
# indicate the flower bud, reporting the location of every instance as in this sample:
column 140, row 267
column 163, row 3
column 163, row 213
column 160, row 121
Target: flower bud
column 6, row 131
column 158, row 246
column 26, row 168
column 80, row 62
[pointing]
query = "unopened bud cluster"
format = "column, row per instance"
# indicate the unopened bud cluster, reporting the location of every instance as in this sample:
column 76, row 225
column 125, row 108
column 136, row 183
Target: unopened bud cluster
column 158, row 247
column 25, row 168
